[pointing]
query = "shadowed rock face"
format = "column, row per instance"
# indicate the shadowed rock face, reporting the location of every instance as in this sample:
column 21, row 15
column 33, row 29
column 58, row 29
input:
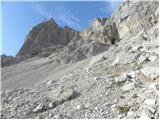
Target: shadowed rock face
column 45, row 35
column 8, row 60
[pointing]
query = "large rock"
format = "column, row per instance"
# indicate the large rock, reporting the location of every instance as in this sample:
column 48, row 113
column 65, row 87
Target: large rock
column 103, row 30
column 151, row 72
column 133, row 16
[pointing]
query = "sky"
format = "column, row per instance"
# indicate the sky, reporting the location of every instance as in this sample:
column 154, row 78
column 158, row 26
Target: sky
column 18, row 18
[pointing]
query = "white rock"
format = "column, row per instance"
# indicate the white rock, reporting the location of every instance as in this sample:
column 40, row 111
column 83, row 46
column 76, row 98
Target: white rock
column 87, row 105
column 116, row 61
column 152, row 72
column 120, row 116
column 57, row 116
column 144, row 116
column 154, row 86
column 142, row 58
column 132, row 74
column 114, row 106
column 78, row 107
column 51, row 105
column 121, row 78
column 130, row 113
column 38, row 108
column 115, row 101
column 128, row 86
column 152, row 109
column 95, row 78
column 96, row 108
column 50, row 82
column 150, row 101
column 152, row 58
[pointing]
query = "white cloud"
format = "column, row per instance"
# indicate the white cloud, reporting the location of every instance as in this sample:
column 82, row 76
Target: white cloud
column 66, row 16
column 40, row 9
column 59, row 13
column 111, row 6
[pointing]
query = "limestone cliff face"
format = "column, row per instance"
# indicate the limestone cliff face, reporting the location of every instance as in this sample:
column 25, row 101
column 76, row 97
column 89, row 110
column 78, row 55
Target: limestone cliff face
column 133, row 16
column 8, row 60
column 130, row 18
column 45, row 35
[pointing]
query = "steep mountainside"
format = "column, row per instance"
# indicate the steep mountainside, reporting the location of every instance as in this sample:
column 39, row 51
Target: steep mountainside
column 121, row 82
column 46, row 35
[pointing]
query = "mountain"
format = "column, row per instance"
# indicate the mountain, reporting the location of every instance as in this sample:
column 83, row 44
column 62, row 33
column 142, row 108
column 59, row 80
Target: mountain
column 8, row 60
column 45, row 35
column 48, row 38
column 110, row 70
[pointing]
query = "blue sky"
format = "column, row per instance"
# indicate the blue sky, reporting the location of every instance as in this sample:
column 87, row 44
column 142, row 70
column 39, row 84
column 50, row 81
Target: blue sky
column 18, row 18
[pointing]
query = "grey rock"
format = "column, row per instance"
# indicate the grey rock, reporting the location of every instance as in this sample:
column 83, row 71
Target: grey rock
column 152, row 109
column 39, row 108
column 8, row 60
column 151, row 72
column 150, row 101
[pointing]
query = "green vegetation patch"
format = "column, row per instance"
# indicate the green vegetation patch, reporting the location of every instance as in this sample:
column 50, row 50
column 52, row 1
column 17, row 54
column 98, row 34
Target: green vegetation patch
column 124, row 109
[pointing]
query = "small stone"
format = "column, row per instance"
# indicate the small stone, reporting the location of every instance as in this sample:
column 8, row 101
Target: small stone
column 128, row 86
column 114, row 106
column 78, row 107
column 131, row 74
column 130, row 113
column 157, row 115
column 150, row 114
column 39, row 108
column 120, row 116
column 87, row 105
column 50, row 82
column 95, row 78
column 151, row 72
column 52, row 105
column 57, row 116
column 152, row 109
column 144, row 116
column 96, row 108
column 142, row 58
column 115, row 101
column 116, row 61
column 154, row 86
column 150, row 101
column 121, row 78
column 152, row 58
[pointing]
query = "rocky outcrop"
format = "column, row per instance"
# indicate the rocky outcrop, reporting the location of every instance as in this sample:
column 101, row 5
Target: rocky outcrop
column 133, row 16
column 103, row 30
column 8, row 60
column 45, row 36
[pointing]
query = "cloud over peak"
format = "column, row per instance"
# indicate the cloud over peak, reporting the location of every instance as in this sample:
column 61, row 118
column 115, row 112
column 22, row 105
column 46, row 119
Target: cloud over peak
column 58, row 13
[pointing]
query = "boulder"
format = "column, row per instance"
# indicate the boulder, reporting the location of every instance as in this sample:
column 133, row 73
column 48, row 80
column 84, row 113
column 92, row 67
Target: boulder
column 150, row 101
column 151, row 72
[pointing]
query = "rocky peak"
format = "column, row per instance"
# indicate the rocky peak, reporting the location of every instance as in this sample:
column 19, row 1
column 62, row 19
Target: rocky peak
column 8, row 60
column 98, row 22
column 44, row 35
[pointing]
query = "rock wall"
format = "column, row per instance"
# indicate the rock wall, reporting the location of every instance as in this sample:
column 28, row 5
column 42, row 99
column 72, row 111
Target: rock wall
column 45, row 35
column 8, row 60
